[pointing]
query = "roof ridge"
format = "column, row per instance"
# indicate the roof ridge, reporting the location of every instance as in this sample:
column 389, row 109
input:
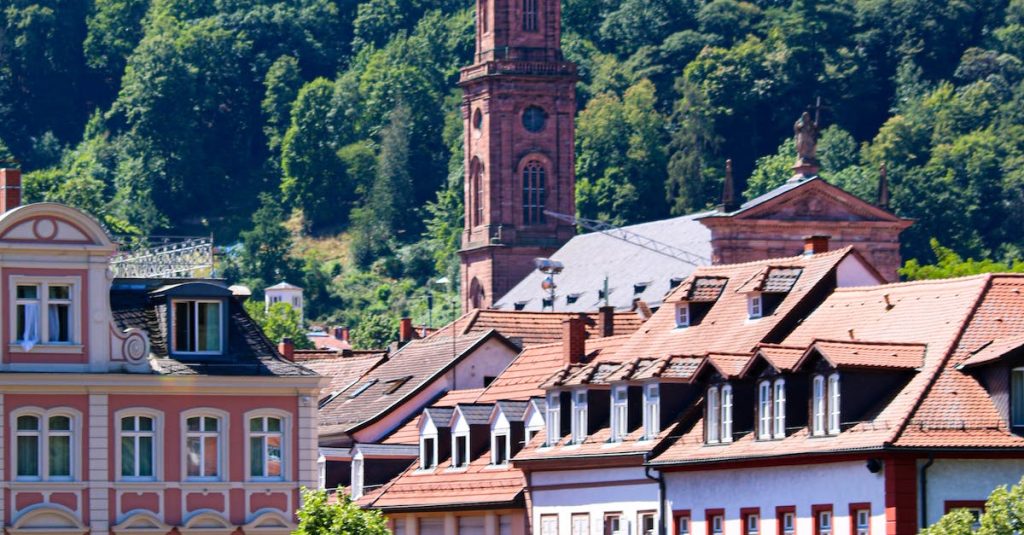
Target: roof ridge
column 775, row 262
column 866, row 342
column 914, row 283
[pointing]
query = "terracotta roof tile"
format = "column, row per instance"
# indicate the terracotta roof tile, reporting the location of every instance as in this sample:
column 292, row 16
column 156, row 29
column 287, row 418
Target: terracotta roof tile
column 479, row 484
column 705, row 289
column 528, row 329
column 993, row 351
column 343, row 371
column 870, row 354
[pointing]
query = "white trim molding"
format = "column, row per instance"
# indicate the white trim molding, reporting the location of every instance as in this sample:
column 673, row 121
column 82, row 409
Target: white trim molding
column 223, row 431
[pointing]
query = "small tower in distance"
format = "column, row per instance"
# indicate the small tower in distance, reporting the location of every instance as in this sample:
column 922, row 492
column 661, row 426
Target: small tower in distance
column 283, row 292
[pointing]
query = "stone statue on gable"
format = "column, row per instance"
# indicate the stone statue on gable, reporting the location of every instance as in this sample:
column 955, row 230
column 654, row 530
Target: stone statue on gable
column 805, row 132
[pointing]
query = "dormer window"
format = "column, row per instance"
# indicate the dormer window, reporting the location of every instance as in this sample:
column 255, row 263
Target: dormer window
column 579, row 416
column 825, row 405
column 44, row 312
column 771, row 409
column 1017, row 397
column 620, row 413
column 719, row 414
column 682, row 315
column 460, row 451
column 499, row 449
column 652, row 411
column 755, row 306
column 428, row 452
column 553, row 420
column 198, row 327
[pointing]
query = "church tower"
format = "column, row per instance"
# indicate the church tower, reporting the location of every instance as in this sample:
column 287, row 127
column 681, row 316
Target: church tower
column 518, row 108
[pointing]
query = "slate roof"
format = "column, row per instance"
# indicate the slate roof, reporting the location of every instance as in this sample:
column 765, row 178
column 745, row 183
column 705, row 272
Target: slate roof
column 248, row 352
column 410, row 432
column 394, row 381
column 475, row 413
column 589, row 258
column 514, row 411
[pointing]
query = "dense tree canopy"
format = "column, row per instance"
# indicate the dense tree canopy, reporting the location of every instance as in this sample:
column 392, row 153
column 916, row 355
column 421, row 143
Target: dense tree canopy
column 336, row 122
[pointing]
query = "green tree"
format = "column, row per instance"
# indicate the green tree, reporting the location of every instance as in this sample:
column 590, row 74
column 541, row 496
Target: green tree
column 282, row 82
column 948, row 264
column 278, row 322
column 1004, row 514
column 266, row 248
column 320, row 516
column 375, row 331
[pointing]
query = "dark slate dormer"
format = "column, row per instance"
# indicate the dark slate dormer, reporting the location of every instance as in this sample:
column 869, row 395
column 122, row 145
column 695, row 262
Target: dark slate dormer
column 195, row 317
column 507, row 420
column 436, row 426
column 768, row 289
column 698, row 297
column 475, row 418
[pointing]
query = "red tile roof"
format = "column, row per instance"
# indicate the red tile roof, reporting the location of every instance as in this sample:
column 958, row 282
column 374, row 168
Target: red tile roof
column 993, row 351
column 524, row 376
column 343, row 371
column 868, row 354
column 533, row 328
column 410, row 432
column 479, row 485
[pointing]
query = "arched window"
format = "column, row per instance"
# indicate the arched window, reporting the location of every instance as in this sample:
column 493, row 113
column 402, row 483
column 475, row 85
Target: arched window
column 534, row 193
column 530, row 15
column 45, row 445
column 477, row 194
column 476, row 293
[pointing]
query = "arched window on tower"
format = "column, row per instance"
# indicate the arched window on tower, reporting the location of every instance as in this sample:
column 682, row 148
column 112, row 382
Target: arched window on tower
column 534, row 193
column 476, row 184
column 530, row 15
column 476, row 294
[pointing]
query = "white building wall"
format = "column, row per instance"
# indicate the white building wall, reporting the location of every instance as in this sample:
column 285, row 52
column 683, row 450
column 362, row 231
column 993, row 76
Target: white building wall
column 837, row 484
column 611, row 490
column 966, row 480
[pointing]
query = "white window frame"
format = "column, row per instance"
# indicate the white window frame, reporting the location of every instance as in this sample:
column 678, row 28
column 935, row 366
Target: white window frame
column 834, row 404
column 753, row 523
column 158, row 442
column 714, row 413
column 498, row 436
column 460, row 462
column 682, row 315
column 613, row 524
column 755, row 306
column 825, row 523
column 620, row 412
column 222, row 443
column 549, row 524
column 641, row 517
column 788, row 523
column 683, row 525
column 779, row 408
column 286, row 446
column 195, row 332
column 43, row 435
column 43, row 299
column 1017, row 397
column 652, row 410
column 727, row 413
column 423, row 451
column 717, row 524
column 765, row 408
column 580, row 414
column 861, row 528
column 553, row 420
column 580, row 523
column 818, row 405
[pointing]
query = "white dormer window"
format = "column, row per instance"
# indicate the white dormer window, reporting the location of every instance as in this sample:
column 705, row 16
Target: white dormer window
column 428, row 452
column 682, row 315
column 620, row 413
column 579, row 416
column 652, row 411
column 719, row 414
column 197, row 327
column 825, row 405
column 499, row 448
column 553, row 421
column 780, row 408
column 755, row 306
column 764, row 410
column 460, row 450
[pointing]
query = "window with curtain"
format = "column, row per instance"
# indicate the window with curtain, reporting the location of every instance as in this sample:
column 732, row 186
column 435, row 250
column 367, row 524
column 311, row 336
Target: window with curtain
column 202, row 447
column 197, row 327
column 137, row 455
column 44, row 447
column 530, row 15
column 534, row 193
column 1017, row 397
column 31, row 326
column 28, row 435
column 266, row 441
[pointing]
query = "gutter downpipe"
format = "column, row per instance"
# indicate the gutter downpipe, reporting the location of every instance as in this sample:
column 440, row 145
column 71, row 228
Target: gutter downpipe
column 661, row 494
column 924, row 489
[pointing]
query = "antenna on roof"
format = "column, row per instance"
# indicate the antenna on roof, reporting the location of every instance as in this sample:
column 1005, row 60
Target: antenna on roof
column 632, row 237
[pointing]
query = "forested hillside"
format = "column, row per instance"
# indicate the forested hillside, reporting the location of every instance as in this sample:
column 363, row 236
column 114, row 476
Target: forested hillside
column 324, row 135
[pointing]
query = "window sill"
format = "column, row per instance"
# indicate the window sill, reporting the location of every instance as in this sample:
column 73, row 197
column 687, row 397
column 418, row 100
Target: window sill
column 66, row 349
column 38, row 485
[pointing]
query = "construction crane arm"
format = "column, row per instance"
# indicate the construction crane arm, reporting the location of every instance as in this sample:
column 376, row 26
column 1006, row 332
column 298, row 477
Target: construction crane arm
column 632, row 237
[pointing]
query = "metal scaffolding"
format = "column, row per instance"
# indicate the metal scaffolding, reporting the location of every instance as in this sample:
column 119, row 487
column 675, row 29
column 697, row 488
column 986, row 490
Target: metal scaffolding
column 169, row 257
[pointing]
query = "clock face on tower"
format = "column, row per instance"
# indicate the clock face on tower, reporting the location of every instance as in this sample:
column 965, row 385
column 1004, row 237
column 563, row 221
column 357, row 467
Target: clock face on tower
column 534, row 119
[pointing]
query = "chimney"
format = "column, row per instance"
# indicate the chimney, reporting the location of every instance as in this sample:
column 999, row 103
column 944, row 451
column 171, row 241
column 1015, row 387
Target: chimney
column 574, row 340
column 341, row 333
column 405, row 330
column 606, row 318
column 883, row 187
column 729, row 203
column 816, row 244
column 287, row 349
column 10, row 189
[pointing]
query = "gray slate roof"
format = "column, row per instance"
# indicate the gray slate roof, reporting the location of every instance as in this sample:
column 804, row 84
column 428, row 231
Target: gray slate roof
column 588, row 258
column 514, row 411
column 476, row 413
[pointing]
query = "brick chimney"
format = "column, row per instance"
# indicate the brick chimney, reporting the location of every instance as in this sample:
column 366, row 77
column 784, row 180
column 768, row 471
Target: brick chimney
column 816, row 244
column 405, row 330
column 287, row 349
column 606, row 319
column 574, row 340
column 10, row 189
column 341, row 333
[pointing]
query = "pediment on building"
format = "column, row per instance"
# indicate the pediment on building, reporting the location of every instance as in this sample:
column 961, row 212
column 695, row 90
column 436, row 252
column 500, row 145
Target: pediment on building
column 50, row 223
column 814, row 200
column 47, row 519
column 141, row 522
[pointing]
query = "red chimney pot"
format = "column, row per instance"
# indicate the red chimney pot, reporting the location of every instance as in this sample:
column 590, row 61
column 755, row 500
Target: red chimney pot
column 405, row 330
column 574, row 340
column 10, row 189
column 287, row 349
column 816, row 244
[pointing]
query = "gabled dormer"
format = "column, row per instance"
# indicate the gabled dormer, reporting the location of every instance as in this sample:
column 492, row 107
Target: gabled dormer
column 196, row 318
column 724, row 391
column 507, row 430
column 998, row 366
column 768, row 288
column 850, row 381
column 435, row 436
column 780, row 394
column 533, row 420
column 471, row 436
column 698, row 296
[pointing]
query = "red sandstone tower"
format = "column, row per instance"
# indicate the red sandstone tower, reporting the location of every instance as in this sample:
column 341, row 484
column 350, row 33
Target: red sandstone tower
column 519, row 106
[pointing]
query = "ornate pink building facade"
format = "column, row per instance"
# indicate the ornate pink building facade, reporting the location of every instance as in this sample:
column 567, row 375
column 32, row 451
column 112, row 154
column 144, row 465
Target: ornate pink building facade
column 138, row 406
